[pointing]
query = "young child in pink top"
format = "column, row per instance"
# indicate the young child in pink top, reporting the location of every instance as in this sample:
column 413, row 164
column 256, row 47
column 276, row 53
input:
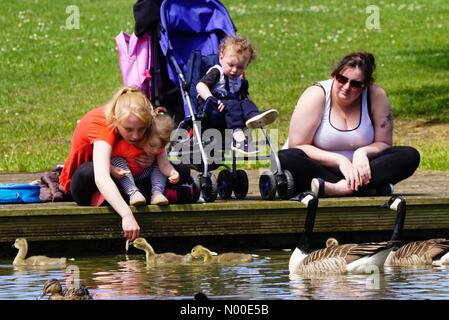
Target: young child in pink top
column 128, row 171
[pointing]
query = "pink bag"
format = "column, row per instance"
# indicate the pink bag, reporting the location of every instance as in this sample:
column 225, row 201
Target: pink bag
column 135, row 60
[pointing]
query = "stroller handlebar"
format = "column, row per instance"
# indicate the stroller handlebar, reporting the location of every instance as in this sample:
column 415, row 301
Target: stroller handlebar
column 178, row 71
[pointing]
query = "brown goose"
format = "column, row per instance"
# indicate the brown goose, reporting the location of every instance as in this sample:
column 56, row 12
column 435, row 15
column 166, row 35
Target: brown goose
column 338, row 259
column 20, row 260
column 426, row 252
column 230, row 257
column 159, row 258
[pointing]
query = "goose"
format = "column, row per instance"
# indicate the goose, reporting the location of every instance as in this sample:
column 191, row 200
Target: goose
column 337, row 259
column 159, row 258
column 22, row 245
column 229, row 257
column 418, row 253
column 56, row 291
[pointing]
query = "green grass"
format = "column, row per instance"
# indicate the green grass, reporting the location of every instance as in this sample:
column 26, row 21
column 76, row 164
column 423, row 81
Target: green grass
column 51, row 76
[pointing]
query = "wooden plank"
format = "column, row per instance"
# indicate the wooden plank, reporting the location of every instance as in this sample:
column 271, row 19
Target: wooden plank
column 66, row 221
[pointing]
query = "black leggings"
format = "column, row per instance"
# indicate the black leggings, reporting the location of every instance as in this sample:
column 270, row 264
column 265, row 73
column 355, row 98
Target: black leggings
column 390, row 166
column 83, row 184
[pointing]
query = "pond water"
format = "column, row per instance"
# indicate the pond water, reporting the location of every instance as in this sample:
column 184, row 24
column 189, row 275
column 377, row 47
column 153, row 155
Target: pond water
column 267, row 277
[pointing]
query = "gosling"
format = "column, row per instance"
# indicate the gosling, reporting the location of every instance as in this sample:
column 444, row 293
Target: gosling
column 224, row 258
column 159, row 258
column 22, row 245
column 331, row 242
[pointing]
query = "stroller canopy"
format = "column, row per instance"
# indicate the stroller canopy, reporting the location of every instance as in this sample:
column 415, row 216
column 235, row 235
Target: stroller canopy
column 188, row 25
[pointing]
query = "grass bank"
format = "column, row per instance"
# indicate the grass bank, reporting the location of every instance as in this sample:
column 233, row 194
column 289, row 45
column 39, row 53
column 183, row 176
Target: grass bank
column 52, row 75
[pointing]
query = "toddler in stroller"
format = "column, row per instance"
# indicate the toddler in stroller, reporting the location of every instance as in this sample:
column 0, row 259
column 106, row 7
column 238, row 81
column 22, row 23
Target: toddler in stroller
column 224, row 88
column 189, row 35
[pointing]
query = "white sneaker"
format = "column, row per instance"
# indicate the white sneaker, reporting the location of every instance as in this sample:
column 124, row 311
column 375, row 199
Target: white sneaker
column 262, row 120
column 159, row 199
column 137, row 199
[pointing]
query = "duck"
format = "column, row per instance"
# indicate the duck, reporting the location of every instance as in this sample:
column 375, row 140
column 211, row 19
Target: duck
column 338, row 259
column 57, row 292
column 54, row 288
column 20, row 260
column 78, row 293
column 418, row 253
column 159, row 258
column 200, row 251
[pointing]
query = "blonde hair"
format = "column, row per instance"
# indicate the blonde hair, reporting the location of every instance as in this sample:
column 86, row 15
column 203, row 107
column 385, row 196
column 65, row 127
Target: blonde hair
column 241, row 45
column 162, row 125
column 126, row 101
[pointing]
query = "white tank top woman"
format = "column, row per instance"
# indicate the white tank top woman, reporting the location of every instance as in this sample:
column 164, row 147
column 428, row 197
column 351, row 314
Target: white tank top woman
column 344, row 142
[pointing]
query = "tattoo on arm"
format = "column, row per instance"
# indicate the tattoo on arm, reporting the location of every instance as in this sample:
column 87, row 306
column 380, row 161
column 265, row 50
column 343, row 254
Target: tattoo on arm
column 388, row 121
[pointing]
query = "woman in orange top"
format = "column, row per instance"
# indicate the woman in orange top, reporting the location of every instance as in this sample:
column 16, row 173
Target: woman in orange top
column 87, row 167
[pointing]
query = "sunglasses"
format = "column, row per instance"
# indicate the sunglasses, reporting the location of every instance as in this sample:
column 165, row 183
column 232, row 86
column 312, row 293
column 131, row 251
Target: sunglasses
column 352, row 83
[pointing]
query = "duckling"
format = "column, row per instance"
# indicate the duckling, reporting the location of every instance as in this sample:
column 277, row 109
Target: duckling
column 22, row 245
column 56, row 291
column 331, row 242
column 159, row 258
column 229, row 257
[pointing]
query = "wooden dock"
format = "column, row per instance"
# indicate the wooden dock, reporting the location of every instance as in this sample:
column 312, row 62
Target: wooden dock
column 250, row 223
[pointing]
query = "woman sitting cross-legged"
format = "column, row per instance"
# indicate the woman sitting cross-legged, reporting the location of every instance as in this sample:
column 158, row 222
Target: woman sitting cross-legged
column 341, row 135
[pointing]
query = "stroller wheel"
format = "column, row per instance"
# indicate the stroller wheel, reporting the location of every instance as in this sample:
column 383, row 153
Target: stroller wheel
column 209, row 187
column 241, row 184
column 267, row 185
column 225, row 184
column 196, row 188
column 285, row 185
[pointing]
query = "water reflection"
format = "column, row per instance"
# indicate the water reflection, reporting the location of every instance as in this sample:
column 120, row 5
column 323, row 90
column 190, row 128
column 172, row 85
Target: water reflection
column 339, row 287
column 267, row 277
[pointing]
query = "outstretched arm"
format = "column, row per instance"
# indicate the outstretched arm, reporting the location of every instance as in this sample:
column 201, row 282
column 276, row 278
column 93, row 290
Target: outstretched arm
column 107, row 187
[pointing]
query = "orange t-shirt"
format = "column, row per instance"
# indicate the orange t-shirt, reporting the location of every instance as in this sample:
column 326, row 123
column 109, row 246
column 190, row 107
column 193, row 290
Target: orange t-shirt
column 92, row 127
column 129, row 153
